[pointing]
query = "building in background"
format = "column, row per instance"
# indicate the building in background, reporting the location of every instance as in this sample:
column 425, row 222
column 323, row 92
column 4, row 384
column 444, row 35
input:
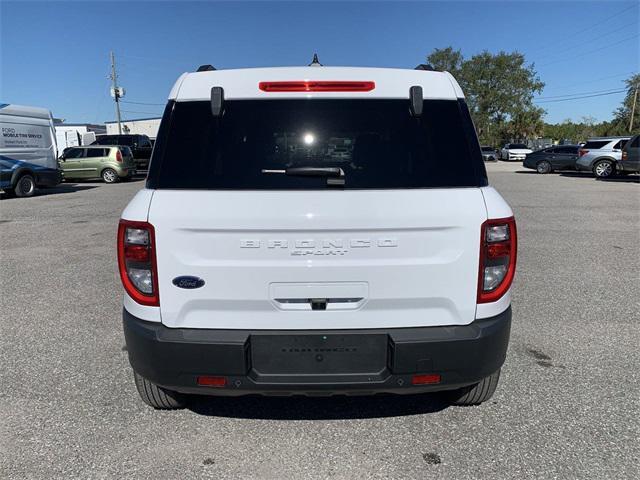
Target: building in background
column 136, row 126
column 76, row 134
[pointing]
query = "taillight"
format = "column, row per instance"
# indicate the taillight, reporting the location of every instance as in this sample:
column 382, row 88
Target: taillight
column 317, row 86
column 137, row 261
column 624, row 155
column 582, row 152
column 118, row 156
column 498, row 248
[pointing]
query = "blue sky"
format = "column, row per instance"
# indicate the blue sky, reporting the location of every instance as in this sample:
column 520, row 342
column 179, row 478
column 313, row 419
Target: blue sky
column 56, row 54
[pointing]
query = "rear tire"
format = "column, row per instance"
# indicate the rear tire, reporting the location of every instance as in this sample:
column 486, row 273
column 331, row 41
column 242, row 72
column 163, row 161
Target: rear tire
column 604, row 169
column 25, row 186
column 476, row 394
column 157, row 397
column 109, row 176
column 543, row 167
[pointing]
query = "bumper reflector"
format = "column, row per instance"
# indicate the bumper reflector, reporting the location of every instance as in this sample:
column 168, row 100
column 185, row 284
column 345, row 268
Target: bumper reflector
column 425, row 379
column 209, row 381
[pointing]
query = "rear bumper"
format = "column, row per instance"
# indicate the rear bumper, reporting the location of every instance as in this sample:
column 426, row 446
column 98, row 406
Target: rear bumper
column 355, row 362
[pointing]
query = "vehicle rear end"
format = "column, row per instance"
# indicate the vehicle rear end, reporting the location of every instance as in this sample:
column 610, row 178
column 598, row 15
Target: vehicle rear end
column 124, row 159
column 630, row 162
column 316, row 231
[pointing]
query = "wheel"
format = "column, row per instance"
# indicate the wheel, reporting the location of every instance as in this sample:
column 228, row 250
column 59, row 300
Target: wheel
column 543, row 167
column 604, row 169
column 25, row 187
column 109, row 176
column 476, row 394
column 157, row 397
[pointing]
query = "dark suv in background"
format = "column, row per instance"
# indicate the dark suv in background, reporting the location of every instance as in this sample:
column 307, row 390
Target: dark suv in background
column 140, row 145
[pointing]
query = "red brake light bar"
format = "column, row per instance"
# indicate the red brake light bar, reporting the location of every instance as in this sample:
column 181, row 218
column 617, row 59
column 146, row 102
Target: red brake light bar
column 317, row 86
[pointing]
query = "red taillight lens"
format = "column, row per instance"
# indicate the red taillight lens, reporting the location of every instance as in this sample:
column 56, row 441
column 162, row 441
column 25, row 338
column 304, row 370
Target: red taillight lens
column 209, row 381
column 624, row 155
column 425, row 379
column 118, row 156
column 137, row 261
column 582, row 152
column 498, row 249
column 317, row 86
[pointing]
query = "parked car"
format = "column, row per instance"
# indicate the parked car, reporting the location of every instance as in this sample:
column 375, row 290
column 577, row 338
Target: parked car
column 555, row 158
column 630, row 162
column 253, row 263
column 109, row 163
column 28, row 150
column 601, row 155
column 140, row 145
column 514, row 152
column 489, row 154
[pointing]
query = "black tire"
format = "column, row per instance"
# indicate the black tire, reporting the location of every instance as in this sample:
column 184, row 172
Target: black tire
column 543, row 167
column 157, row 397
column 25, row 186
column 476, row 394
column 604, row 169
column 109, row 175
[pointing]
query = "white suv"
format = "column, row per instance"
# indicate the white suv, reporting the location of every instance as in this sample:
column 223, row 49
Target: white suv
column 259, row 260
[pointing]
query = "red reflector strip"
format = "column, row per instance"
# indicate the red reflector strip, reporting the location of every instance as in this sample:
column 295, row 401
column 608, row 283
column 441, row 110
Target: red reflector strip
column 498, row 250
column 208, row 381
column 137, row 253
column 425, row 379
column 317, row 86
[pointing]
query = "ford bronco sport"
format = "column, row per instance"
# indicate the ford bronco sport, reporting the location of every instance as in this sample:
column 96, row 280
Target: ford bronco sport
column 316, row 231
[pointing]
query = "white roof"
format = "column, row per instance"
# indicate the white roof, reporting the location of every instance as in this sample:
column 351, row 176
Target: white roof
column 24, row 111
column 243, row 83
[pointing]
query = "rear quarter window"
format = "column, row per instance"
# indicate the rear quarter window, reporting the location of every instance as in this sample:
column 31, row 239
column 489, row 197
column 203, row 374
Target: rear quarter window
column 595, row 145
column 377, row 144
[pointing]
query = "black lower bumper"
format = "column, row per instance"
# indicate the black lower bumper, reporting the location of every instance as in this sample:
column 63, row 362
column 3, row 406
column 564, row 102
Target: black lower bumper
column 314, row 362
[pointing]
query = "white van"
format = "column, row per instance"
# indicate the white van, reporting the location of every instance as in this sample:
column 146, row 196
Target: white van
column 28, row 150
column 316, row 231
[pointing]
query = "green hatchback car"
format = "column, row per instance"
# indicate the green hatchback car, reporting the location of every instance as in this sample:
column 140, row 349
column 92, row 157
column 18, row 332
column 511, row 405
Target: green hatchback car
column 109, row 163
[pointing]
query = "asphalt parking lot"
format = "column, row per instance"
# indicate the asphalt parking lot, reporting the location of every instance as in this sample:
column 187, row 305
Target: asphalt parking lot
column 567, row 405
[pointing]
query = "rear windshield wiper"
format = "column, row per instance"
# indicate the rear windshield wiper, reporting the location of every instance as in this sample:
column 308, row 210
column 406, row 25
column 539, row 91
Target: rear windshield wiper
column 335, row 174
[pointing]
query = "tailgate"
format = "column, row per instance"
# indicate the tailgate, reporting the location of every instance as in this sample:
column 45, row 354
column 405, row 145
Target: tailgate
column 318, row 259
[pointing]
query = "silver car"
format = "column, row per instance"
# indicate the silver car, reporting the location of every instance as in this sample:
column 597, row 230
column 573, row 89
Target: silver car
column 601, row 155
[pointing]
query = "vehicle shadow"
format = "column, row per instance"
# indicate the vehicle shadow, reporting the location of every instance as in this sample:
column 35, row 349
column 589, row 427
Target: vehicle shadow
column 615, row 179
column 61, row 188
column 317, row 408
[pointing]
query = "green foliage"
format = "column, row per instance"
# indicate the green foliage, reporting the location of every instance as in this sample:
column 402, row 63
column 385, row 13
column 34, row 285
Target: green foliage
column 499, row 89
column 622, row 115
column 587, row 127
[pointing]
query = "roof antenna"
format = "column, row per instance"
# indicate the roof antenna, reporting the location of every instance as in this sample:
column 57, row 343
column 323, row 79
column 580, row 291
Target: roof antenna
column 315, row 62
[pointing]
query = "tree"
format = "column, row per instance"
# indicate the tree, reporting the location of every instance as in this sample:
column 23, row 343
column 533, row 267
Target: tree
column 446, row 60
column 622, row 115
column 499, row 89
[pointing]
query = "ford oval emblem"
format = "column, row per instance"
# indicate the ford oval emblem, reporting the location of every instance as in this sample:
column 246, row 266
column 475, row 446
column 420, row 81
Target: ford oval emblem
column 188, row 281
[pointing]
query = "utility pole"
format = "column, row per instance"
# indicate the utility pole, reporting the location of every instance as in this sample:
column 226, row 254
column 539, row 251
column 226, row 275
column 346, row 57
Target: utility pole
column 116, row 90
column 633, row 109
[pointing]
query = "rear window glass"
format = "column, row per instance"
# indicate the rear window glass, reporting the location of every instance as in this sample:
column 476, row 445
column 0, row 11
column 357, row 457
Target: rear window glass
column 596, row 144
column 376, row 143
column 487, row 149
column 517, row 145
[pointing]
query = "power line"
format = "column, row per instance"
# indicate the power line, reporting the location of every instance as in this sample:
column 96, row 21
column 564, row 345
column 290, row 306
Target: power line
column 596, row 80
column 146, row 113
column 142, row 103
column 593, row 39
column 592, row 51
column 581, row 93
column 580, row 98
column 599, row 23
